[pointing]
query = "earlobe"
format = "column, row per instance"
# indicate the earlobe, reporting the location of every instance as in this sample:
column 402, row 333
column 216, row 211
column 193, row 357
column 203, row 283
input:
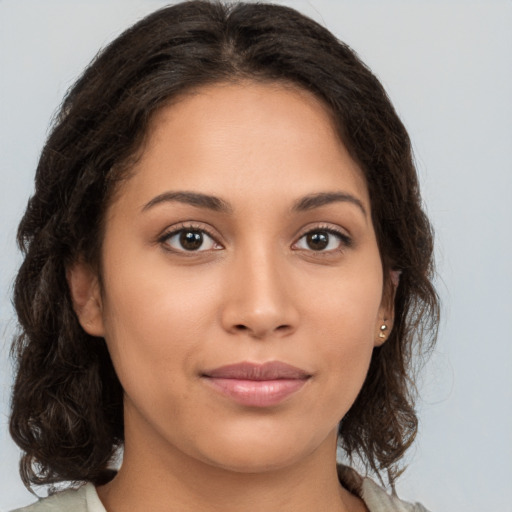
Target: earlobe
column 383, row 330
column 385, row 321
column 387, row 310
column 86, row 296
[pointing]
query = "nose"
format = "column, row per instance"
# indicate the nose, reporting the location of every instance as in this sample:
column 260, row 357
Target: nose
column 259, row 301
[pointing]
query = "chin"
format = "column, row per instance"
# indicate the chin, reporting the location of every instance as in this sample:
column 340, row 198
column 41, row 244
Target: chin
column 254, row 462
column 263, row 451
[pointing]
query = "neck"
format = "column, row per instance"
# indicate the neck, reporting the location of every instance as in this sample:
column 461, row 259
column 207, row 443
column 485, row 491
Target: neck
column 174, row 481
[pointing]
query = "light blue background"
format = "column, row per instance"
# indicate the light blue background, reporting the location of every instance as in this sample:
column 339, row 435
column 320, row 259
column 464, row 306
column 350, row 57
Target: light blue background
column 447, row 66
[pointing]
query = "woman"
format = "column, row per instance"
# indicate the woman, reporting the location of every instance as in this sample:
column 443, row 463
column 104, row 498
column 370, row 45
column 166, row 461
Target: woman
column 227, row 270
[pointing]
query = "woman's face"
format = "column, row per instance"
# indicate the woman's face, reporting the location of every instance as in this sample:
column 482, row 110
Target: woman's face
column 242, row 283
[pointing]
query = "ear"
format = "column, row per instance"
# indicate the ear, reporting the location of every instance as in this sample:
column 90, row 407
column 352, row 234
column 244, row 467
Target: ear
column 386, row 315
column 86, row 296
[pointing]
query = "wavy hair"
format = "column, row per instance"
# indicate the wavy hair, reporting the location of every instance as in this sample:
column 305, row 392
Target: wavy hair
column 67, row 404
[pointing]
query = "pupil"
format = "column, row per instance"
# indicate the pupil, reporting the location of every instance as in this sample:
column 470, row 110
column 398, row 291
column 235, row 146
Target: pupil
column 318, row 240
column 191, row 240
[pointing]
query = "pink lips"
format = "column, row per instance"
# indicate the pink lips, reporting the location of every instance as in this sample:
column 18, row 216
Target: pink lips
column 257, row 385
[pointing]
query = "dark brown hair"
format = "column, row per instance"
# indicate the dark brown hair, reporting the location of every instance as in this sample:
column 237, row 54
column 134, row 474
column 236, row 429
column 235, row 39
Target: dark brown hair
column 67, row 405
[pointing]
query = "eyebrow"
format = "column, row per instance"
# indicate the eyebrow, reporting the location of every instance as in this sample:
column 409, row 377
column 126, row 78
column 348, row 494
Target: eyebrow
column 312, row 201
column 216, row 204
column 192, row 198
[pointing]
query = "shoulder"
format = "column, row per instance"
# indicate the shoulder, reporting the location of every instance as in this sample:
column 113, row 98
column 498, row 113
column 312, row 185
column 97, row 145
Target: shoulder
column 378, row 500
column 374, row 497
column 71, row 500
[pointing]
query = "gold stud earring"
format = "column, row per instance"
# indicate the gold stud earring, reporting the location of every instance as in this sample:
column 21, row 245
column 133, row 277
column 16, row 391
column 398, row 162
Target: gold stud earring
column 383, row 329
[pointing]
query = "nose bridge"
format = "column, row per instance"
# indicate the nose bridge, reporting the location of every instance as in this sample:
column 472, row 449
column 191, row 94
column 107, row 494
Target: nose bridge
column 259, row 300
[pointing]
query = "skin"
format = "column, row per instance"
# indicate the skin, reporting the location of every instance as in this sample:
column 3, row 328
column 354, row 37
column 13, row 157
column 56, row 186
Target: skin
column 255, row 291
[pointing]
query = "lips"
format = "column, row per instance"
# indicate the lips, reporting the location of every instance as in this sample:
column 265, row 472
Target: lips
column 257, row 385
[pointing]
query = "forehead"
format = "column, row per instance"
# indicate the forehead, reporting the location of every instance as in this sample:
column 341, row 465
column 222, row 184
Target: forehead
column 231, row 136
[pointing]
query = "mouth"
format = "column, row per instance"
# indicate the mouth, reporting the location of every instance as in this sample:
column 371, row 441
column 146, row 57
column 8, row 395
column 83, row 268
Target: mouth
column 257, row 385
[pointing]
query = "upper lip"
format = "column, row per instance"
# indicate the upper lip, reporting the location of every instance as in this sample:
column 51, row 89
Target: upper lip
column 272, row 370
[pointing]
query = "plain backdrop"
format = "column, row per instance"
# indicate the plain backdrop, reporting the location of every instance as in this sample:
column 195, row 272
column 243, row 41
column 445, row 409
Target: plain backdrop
column 447, row 66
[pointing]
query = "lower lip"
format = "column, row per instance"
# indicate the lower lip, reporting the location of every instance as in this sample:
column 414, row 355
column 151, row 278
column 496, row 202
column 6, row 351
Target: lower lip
column 257, row 393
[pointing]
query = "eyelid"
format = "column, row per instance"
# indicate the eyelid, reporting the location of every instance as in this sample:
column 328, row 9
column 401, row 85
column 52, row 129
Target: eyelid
column 346, row 240
column 184, row 226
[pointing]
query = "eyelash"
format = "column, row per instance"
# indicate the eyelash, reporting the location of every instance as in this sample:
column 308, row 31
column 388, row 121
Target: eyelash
column 344, row 239
column 183, row 228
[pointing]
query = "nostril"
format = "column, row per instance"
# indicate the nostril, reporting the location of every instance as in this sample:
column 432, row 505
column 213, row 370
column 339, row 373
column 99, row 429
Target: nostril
column 279, row 328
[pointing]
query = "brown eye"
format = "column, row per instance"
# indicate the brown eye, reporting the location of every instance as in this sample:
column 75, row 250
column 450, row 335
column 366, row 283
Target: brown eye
column 317, row 240
column 323, row 240
column 191, row 240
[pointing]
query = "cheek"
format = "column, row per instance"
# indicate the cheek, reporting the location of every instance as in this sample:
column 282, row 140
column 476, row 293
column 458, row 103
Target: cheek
column 155, row 320
column 348, row 307
column 345, row 317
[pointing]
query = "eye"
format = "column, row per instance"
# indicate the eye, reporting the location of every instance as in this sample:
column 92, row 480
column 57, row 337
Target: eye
column 189, row 240
column 323, row 240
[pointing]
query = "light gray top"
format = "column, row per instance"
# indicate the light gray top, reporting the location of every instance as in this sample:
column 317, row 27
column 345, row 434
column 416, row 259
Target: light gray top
column 85, row 499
